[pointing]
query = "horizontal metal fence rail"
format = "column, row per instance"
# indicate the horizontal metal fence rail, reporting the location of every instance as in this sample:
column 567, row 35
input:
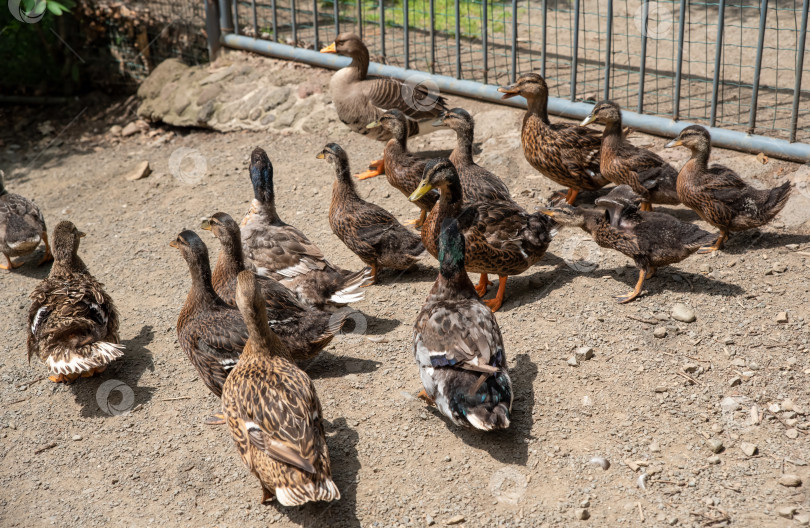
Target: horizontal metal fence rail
column 733, row 65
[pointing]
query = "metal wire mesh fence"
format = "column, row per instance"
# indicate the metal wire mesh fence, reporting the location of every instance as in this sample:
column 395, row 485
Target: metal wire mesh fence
column 708, row 62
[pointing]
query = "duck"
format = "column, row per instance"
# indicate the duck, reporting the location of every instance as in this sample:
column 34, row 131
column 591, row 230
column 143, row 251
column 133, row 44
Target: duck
column 22, row 228
column 72, row 322
column 621, row 162
column 478, row 184
column 273, row 412
column 368, row 230
column 305, row 331
column 360, row 100
column 403, row 169
column 282, row 252
column 501, row 237
column 458, row 346
column 565, row 153
column 652, row 239
column 718, row 195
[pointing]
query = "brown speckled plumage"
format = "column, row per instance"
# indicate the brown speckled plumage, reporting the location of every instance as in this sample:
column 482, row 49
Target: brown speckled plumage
column 281, row 251
column 273, row 413
column 72, row 321
column 22, row 227
column 369, row 231
column 567, row 154
column 718, row 195
column 621, row 162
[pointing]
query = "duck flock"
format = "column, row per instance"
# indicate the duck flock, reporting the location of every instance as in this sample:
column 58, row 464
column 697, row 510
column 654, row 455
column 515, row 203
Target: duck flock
column 273, row 301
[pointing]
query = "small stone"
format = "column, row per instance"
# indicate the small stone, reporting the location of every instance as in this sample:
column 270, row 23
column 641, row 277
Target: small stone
column 573, row 361
column 803, row 519
column 115, row 130
column 729, row 404
column 691, row 368
column 774, row 408
column 582, row 514
column 429, row 520
column 585, row 504
column 130, row 129
column 782, row 317
column 787, row 405
column 458, row 519
column 77, row 437
column 748, row 449
column 733, row 382
column 584, row 353
column 793, row 434
column 660, row 332
column 661, row 388
column 141, row 170
column 682, row 313
column 778, row 267
column 654, row 447
column 717, row 428
column 753, row 415
column 786, row 511
column 714, row 460
column 790, row 480
column 715, row 445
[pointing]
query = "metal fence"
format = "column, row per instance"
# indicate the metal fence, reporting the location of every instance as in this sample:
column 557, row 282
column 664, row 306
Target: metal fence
column 736, row 64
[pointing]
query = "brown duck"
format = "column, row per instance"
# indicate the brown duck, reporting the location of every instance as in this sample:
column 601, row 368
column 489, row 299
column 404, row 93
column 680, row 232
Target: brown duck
column 718, row 195
column 651, row 239
column 564, row 153
column 305, row 331
column 621, row 162
column 22, row 228
column 72, row 322
column 273, row 412
column 501, row 237
column 360, row 100
column 368, row 230
column 282, row 252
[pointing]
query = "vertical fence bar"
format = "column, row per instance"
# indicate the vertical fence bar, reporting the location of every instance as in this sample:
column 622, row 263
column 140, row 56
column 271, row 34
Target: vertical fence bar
column 336, row 6
column 797, row 87
column 225, row 17
column 235, row 4
column 255, row 20
column 718, row 55
column 317, row 45
column 676, row 110
column 545, row 40
column 293, row 24
column 275, row 20
column 752, row 118
column 608, row 45
column 458, row 40
column 212, row 28
column 432, row 36
column 359, row 17
column 407, row 35
column 382, row 27
column 642, row 69
column 484, row 38
column 575, row 52
column 514, row 41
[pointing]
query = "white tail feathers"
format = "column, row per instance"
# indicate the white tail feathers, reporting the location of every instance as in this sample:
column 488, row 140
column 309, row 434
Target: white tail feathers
column 325, row 490
column 351, row 291
column 84, row 358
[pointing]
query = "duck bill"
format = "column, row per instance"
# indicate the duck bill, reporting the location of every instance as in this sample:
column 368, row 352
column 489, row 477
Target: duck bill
column 82, row 235
column 374, row 124
column 320, row 155
column 674, row 143
column 329, row 49
column 174, row 244
column 546, row 211
column 420, row 191
column 439, row 121
column 588, row 120
column 508, row 92
column 206, row 224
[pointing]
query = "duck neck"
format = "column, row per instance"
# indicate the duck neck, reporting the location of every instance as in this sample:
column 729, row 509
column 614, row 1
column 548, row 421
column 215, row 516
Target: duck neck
column 452, row 281
column 538, row 106
column 360, row 61
column 612, row 134
column 230, row 261
column 202, row 290
column 462, row 155
column 262, row 341
column 344, row 183
column 66, row 266
column 450, row 199
column 701, row 155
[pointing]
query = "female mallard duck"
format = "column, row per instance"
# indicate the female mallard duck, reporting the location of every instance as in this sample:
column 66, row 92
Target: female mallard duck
column 402, row 168
column 478, row 184
column 305, row 331
column 22, row 228
column 621, row 162
column 72, row 322
column 274, row 414
column 458, row 345
column 284, row 253
column 564, row 153
column 651, row 239
column 501, row 237
column 360, row 101
column 368, row 230
column 718, row 195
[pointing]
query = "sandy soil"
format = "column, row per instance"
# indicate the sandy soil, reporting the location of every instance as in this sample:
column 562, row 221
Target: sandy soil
column 649, row 405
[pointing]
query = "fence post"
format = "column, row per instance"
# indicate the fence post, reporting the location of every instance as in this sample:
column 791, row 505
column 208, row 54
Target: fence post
column 225, row 19
column 458, row 40
column 642, row 69
column 212, row 28
column 514, row 40
column 676, row 110
column 575, row 52
column 608, row 45
column 484, row 38
column 797, row 87
column 718, row 55
column 752, row 118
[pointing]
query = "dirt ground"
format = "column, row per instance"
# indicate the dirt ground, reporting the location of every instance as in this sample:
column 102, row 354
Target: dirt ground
column 129, row 447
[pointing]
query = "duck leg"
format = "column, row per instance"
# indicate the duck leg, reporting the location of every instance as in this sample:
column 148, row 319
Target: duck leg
column 571, row 196
column 267, row 495
column 215, row 419
column 48, row 256
column 717, row 245
column 497, row 302
column 375, row 168
column 373, row 280
column 9, row 264
column 424, row 396
column 646, row 206
column 642, row 274
column 481, row 287
column 418, row 222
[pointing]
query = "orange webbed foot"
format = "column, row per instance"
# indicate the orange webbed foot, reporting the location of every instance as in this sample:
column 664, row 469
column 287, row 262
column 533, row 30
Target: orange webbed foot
column 375, row 168
column 215, row 419
column 424, row 396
